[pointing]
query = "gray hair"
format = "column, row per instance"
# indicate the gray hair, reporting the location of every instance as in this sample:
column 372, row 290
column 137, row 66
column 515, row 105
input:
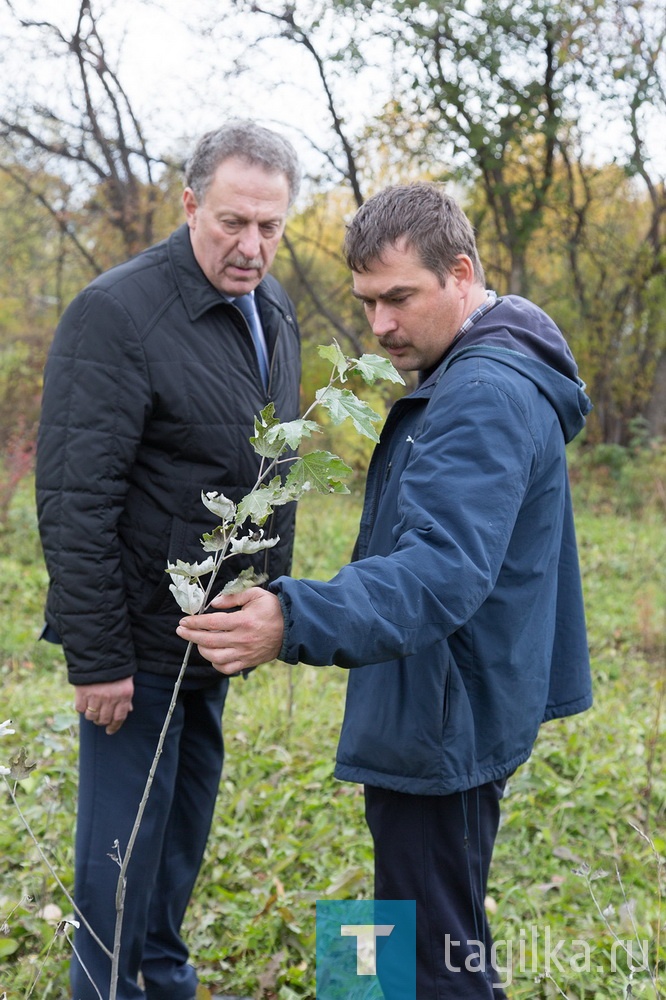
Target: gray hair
column 248, row 141
column 430, row 221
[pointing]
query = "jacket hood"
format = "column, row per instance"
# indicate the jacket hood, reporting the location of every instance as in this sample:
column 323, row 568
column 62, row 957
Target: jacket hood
column 517, row 333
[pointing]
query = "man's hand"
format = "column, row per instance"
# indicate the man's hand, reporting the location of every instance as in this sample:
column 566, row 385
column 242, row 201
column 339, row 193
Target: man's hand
column 106, row 704
column 245, row 638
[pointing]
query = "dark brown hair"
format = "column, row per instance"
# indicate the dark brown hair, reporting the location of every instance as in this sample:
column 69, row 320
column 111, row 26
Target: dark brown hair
column 430, row 221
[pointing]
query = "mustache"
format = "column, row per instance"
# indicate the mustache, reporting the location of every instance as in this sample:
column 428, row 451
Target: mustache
column 247, row 262
column 387, row 342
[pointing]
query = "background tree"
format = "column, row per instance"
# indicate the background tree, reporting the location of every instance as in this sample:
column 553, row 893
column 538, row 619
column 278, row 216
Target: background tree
column 31, row 263
column 86, row 132
column 513, row 104
column 540, row 116
column 81, row 192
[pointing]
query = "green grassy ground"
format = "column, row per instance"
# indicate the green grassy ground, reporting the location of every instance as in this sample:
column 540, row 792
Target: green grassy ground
column 286, row 833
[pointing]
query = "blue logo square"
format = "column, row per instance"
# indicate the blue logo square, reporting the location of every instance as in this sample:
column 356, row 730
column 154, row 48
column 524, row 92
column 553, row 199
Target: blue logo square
column 366, row 949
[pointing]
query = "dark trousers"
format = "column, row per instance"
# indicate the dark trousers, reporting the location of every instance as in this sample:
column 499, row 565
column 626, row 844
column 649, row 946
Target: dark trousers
column 437, row 850
column 168, row 851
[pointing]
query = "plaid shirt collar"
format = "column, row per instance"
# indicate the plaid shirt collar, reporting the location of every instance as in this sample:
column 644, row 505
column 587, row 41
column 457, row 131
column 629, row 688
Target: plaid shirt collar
column 491, row 299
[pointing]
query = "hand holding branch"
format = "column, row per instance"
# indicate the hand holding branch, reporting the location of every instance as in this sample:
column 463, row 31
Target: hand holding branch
column 249, row 636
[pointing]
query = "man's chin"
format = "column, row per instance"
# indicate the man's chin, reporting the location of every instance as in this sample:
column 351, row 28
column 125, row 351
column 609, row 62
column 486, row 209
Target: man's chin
column 239, row 285
column 401, row 359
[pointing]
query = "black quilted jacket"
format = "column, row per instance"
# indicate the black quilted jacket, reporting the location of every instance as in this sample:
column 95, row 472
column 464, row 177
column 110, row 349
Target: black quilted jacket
column 150, row 393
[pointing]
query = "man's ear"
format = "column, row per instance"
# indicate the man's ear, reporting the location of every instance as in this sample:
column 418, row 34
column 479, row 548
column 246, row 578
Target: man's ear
column 463, row 271
column 190, row 205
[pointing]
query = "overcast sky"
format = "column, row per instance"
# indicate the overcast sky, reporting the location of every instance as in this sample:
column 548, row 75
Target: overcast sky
column 175, row 76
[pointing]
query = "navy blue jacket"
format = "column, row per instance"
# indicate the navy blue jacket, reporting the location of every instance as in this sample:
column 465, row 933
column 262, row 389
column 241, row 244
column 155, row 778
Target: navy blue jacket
column 150, row 393
column 463, row 614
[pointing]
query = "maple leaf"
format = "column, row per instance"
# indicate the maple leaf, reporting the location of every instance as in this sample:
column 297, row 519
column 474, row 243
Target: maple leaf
column 19, row 767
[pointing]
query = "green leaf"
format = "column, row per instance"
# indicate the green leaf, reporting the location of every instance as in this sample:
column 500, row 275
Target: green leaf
column 248, row 578
column 292, row 432
column 189, row 596
column 192, row 571
column 333, row 354
column 347, row 884
column 216, row 540
column 219, row 505
column 263, row 442
column 253, row 543
column 341, row 404
column 320, row 471
column 7, row 947
column 258, row 505
column 19, row 767
column 373, row 367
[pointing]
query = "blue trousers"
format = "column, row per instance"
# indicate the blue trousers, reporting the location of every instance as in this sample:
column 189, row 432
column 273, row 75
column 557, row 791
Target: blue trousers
column 436, row 849
column 168, row 851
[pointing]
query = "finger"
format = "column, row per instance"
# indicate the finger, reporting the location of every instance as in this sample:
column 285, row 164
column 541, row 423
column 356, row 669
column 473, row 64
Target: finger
column 80, row 701
column 226, row 660
column 207, row 636
column 206, row 623
column 229, row 668
column 99, row 711
column 232, row 669
column 234, row 600
column 221, row 657
column 118, row 717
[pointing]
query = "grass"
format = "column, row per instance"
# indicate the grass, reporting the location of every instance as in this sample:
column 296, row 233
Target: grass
column 286, row 833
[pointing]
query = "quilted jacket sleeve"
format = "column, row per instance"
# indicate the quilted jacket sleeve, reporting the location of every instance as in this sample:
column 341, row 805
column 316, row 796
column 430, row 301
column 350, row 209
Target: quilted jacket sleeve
column 95, row 402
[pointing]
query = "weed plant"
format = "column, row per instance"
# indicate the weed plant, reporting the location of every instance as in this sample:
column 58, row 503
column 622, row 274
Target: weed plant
column 591, row 800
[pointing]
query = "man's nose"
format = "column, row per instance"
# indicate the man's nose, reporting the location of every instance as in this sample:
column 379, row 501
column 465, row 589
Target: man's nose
column 249, row 242
column 383, row 320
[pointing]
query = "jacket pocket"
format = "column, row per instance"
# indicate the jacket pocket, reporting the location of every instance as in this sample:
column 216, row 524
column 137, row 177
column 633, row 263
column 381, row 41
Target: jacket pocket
column 396, row 714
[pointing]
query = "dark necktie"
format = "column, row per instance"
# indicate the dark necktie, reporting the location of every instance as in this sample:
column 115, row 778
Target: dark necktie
column 246, row 305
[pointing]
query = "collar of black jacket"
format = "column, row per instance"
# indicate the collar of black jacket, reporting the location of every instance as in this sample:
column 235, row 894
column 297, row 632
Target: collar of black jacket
column 195, row 289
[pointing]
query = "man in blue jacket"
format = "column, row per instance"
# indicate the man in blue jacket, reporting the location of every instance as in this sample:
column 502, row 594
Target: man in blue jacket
column 461, row 618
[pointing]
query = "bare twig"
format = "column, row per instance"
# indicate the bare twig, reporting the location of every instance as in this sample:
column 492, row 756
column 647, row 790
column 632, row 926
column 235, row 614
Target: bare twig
column 52, row 870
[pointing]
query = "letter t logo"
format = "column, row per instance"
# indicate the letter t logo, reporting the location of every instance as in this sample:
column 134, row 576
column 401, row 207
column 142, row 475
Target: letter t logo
column 366, row 944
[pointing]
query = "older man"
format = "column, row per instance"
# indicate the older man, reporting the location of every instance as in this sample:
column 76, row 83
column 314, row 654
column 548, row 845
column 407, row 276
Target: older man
column 461, row 619
column 155, row 375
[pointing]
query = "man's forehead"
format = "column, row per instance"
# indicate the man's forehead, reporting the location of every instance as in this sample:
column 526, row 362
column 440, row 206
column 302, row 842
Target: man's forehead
column 250, row 211
column 397, row 268
column 242, row 186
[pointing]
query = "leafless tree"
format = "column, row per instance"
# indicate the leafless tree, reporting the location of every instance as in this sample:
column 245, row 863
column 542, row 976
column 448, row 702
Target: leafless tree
column 85, row 131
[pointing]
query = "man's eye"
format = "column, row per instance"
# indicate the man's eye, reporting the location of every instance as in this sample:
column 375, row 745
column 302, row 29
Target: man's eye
column 270, row 229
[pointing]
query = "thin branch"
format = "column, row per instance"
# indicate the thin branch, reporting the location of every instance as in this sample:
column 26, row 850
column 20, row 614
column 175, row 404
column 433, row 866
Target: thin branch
column 52, row 870
column 297, row 34
column 55, row 214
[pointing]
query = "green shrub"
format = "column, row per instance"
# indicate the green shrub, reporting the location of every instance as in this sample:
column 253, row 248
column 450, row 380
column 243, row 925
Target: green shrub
column 622, row 480
column 286, row 833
